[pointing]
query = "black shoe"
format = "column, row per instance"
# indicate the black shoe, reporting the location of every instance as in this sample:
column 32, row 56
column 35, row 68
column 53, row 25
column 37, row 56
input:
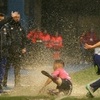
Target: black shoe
column 46, row 74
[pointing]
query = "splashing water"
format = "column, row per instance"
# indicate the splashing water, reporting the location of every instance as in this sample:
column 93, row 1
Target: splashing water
column 69, row 23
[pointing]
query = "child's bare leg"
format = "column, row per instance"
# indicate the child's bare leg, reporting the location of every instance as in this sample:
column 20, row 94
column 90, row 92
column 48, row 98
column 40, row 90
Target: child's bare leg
column 59, row 81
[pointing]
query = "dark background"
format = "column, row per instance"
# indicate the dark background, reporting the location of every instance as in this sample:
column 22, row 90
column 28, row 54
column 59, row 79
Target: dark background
column 69, row 17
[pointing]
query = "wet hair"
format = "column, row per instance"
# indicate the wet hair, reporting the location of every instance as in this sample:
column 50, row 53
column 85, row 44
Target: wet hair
column 2, row 15
column 59, row 61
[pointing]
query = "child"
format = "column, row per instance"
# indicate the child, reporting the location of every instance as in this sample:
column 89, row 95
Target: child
column 59, row 76
column 92, row 87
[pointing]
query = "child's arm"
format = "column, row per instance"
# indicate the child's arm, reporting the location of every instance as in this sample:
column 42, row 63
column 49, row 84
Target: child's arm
column 92, row 46
column 96, row 45
column 46, row 83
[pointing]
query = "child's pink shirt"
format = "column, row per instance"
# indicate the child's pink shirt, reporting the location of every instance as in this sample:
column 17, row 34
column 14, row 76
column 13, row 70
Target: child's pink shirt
column 60, row 72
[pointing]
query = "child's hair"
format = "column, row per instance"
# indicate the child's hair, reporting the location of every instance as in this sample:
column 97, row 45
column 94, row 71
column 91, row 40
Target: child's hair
column 59, row 61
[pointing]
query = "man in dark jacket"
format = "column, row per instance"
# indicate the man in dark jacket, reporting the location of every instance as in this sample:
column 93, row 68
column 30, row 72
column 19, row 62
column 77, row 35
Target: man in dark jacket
column 4, row 44
column 17, row 38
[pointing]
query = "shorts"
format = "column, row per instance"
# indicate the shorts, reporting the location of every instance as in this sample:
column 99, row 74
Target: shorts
column 66, row 85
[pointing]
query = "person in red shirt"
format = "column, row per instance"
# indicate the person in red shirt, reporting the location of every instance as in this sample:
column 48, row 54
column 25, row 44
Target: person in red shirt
column 56, row 45
column 89, row 38
column 46, row 39
column 60, row 77
column 38, row 34
column 35, row 35
column 30, row 35
column 56, row 41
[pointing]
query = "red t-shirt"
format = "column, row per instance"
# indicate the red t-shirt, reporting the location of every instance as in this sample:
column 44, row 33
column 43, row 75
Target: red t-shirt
column 89, row 38
column 56, row 42
column 46, row 37
column 30, row 35
column 37, row 36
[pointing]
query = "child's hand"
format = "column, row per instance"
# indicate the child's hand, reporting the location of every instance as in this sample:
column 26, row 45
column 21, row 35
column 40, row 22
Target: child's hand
column 41, row 90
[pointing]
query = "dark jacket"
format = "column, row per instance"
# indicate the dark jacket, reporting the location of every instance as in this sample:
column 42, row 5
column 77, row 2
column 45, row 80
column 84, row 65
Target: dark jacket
column 4, row 37
column 17, row 35
column 4, row 21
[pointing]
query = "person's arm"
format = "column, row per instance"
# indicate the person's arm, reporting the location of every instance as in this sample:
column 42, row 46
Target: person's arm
column 46, row 83
column 92, row 46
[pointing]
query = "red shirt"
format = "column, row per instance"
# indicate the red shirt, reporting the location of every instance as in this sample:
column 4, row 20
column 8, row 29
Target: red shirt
column 89, row 38
column 46, row 37
column 56, row 42
column 37, row 36
column 60, row 72
column 46, row 40
column 30, row 35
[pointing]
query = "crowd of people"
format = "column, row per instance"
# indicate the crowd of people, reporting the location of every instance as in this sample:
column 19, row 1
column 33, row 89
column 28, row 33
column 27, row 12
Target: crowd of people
column 54, row 42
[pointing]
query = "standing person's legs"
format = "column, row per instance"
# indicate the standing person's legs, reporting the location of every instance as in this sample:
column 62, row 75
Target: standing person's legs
column 95, row 85
column 6, row 73
column 96, row 60
column 1, row 78
column 2, row 71
column 17, row 75
column 5, row 77
column 15, row 60
column 16, row 63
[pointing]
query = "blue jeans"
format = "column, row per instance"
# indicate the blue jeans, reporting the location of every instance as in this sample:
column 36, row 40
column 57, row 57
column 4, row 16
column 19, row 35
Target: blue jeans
column 95, row 85
column 96, row 60
column 3, row 62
